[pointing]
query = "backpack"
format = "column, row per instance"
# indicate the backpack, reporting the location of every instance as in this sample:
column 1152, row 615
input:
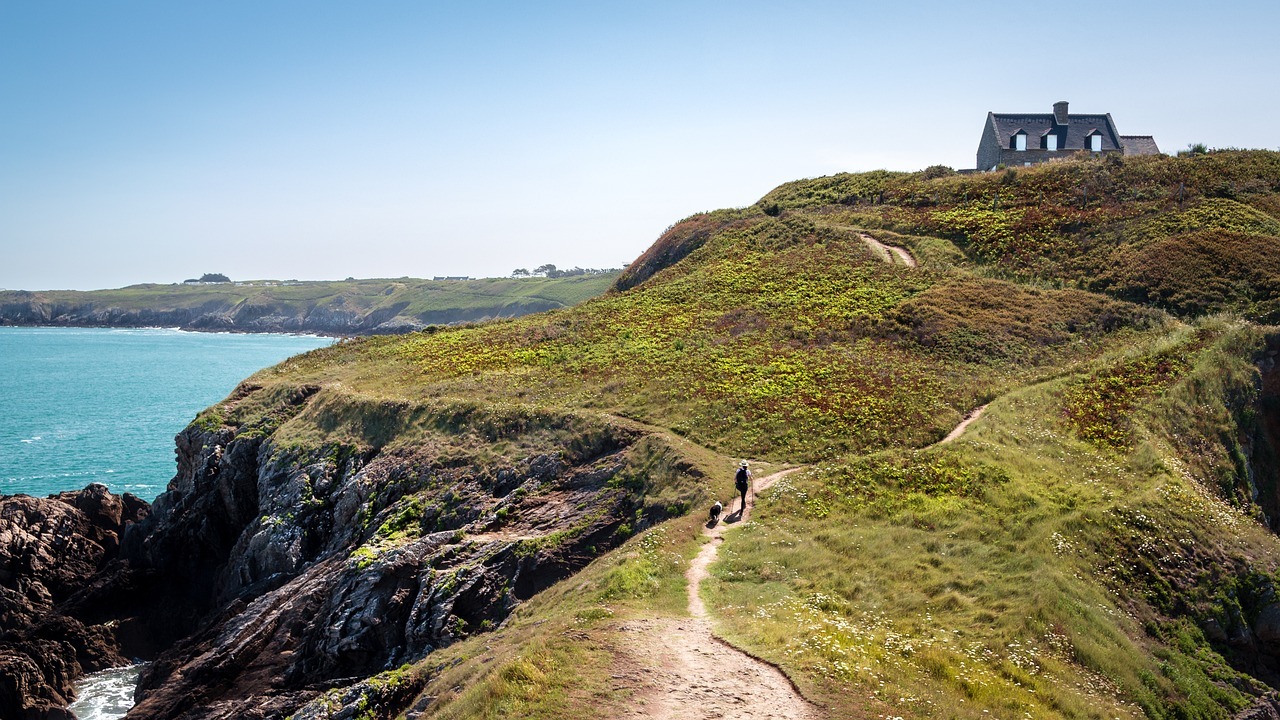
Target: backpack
column 741, row 480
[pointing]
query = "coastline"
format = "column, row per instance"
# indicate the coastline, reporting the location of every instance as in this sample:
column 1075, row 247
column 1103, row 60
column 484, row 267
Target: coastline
column 185, row 329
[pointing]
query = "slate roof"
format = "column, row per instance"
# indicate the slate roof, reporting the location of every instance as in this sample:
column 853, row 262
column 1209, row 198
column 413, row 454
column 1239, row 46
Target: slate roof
column 1139, row 145
column 1078, row 127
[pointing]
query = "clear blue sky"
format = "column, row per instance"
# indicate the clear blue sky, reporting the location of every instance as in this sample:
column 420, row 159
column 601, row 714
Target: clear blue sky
column 155, row 141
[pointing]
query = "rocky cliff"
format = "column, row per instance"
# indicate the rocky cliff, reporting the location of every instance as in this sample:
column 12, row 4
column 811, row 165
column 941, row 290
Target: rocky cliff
column 51, row 550
column 274, row 570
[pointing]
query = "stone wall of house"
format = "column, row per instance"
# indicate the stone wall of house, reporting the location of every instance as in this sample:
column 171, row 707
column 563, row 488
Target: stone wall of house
column 1013, row 158
column 987, row 157
column 988, row 148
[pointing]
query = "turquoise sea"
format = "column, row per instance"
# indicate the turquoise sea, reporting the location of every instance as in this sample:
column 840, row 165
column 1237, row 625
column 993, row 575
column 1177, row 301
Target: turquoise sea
column 83, row 405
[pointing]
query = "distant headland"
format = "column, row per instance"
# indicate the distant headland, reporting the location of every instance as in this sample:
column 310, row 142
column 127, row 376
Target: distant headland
column 342, row 307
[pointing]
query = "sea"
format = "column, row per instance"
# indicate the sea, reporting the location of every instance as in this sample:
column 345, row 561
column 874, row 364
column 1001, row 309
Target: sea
column 86, row 405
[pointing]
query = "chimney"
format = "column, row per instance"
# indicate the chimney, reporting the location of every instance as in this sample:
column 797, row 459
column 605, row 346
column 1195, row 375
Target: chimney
column 1060, row 112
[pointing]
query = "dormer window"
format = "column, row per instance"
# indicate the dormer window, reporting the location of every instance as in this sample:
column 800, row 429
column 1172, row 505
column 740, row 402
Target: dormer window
column 1095, row 141
column 1020, row 140
column 1051, row 141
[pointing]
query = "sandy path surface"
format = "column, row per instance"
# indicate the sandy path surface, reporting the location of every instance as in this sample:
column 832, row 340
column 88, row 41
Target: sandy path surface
column 681, row 670
column 888, row 251
column 689, row 673
column 958, row 430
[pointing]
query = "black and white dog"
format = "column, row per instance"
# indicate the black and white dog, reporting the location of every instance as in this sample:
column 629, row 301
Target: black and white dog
column 715, row 511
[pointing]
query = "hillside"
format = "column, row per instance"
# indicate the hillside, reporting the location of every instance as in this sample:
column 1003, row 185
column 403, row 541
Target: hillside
column 497, row 520
column 348, row 307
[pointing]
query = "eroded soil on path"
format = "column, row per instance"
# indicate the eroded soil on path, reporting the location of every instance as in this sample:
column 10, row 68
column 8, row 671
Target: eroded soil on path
column 958, row 430
column 679, row 669
column 887, row 252
column 687, row 672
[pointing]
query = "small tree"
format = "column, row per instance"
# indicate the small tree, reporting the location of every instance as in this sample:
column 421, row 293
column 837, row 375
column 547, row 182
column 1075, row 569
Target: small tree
column 214, row 278
column 519, row 272
column 1195, row 149
column 548, row 270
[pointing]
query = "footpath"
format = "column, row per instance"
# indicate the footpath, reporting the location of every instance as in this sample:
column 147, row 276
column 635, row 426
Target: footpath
column 699, row 676
column 682, row 671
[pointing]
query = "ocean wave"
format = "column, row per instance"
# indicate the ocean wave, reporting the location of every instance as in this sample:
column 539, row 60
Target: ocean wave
column 50, row 476
column 106, row 695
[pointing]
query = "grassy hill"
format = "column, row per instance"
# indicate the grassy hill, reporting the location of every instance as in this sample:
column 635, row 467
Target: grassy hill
column 332, row 307
column 1098, row 544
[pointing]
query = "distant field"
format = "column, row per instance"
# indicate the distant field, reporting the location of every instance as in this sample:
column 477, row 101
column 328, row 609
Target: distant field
column 331, row 307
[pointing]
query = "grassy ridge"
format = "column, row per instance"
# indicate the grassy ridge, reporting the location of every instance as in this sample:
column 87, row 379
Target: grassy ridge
column 783, row 339
column 1088, row 549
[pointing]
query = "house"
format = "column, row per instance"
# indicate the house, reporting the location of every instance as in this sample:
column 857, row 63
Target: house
column 1012, row 139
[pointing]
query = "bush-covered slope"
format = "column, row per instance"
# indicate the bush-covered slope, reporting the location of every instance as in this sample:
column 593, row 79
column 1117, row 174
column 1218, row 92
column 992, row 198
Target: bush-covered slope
column 1095, row 223
column 1096, row 545
column 781, row 338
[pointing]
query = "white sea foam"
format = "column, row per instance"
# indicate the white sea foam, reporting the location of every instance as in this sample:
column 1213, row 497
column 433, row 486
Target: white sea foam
column 106, row 695
column 29, row 440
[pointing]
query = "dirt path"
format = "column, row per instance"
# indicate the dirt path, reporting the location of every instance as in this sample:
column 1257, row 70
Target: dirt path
column 888, row 251
column 697, row 571
column 687, row 672
column 958, row 430
column 677, row 667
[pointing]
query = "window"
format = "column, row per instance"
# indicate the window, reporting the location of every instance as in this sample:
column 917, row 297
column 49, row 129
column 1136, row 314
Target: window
column 1020, row 141
column 1051, row 142
column 1095, row 143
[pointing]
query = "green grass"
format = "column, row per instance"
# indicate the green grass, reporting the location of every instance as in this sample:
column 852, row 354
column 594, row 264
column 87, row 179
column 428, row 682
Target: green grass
column 995, row 576
column 982, row 578
column 1068, row 557
column 784, row 339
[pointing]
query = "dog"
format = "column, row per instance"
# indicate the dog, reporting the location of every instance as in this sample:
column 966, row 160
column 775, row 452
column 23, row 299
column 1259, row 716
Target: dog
column 716, row 509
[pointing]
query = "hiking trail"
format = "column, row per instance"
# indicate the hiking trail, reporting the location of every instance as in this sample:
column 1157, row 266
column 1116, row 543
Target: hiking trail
column 680, row 670
column 887, row 252
column 958, row 430
column 685, row 671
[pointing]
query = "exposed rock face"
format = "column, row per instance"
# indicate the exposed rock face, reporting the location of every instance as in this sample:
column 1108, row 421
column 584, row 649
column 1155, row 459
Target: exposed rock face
column 1266, row 707
column 50, row 548
column 270, row 575
column 347, row 566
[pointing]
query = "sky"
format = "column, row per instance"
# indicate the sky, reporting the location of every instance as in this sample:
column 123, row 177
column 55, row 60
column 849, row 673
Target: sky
column 157, row 141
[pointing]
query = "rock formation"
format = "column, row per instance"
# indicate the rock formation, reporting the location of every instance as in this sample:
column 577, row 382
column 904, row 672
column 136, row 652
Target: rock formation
column 312, row 572
column 51, row 549
column 270, row 574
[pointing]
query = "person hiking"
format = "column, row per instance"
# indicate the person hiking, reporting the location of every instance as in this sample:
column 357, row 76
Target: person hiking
column 742, row 481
